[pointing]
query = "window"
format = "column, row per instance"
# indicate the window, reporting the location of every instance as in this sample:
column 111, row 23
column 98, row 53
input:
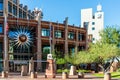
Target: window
column 93, row 23
column 45, row 32
column 58, row 34
column 24, row 15
column 86, row 24
column 1, row 47
column 15, row 10
column 1, row 28
column 1, row 4
column 80, row 37
column 15, row 1
column 1, row 13
column 70, row 35
column 9, row 7
column 93, row 39
column 20, row 13
column 93, row 28
column 93, row 17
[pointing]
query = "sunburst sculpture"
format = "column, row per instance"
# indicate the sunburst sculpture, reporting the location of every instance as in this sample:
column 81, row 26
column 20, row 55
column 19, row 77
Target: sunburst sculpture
column 22, row 37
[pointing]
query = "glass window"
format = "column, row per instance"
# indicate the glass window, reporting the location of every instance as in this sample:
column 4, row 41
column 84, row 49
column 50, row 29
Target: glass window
column 86, row 24
column 15, row 10
column 58, row 34
column 20, row 13
column 9, row 7
column 1, row 47
column 24, row 15
column 93, row 23
column 93, row 28
column 15, row 1
column 1, row 28
column 45, row 32
column 70, row 35
column 80, row 37
column 1, row 4
column 93, row 39
column 1, row 13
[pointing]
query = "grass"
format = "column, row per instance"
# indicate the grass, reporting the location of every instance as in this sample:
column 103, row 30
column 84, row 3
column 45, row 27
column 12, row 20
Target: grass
column 113, row 74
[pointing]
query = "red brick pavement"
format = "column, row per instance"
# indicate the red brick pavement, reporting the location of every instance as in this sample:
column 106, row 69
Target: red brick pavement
column 17, row 76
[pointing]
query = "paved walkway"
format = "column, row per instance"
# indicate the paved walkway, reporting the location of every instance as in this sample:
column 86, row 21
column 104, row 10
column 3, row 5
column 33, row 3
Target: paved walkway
column 17, row 76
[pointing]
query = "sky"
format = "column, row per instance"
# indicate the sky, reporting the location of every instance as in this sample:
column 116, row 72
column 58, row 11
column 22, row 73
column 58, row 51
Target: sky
column 58, row 10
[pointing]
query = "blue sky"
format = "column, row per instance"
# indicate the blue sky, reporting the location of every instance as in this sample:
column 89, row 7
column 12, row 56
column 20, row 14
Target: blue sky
column 57, row 10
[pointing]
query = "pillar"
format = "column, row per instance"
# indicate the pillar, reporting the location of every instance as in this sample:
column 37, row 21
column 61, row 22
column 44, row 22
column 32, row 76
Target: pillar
column 50, row 70
column 38, row 17
column 31, row 66
column 24, row 70
column 5, row 60
column 76, row 42
column 66, row 35
column 53, row 39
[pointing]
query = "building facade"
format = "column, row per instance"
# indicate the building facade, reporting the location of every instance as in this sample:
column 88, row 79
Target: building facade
column 23, row 35
column 93, row 21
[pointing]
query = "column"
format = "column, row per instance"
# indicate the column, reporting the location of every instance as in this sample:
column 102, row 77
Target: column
column 53, row 38
column 76, row 42
column 31, row 65
column 66, row 35
column 5, row 62
column 38, row 17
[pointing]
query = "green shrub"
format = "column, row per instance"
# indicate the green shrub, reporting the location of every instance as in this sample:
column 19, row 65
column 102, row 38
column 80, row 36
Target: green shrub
column 118, row 70
column 65, row 70
column 84, row 71
column 59, row 70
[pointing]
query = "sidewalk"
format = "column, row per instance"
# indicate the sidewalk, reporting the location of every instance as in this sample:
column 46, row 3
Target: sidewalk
column 17, row 76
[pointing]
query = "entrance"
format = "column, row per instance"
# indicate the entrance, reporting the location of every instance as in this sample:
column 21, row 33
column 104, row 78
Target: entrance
column 19, row 59
column 15, row 65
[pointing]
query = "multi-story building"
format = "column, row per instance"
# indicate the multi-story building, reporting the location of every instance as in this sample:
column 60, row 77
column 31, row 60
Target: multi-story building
column 13, row 8
column 94, row 22
column 28, row 35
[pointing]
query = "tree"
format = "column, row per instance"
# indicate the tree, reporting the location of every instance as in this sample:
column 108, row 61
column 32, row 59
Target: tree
column 73, row 59
column 103, row 54
column 59, row 58
column 110, row 35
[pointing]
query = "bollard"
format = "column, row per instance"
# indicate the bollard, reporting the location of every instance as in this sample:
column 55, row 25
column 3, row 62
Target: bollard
column 107, row 76
column 64, row 75
column 4, row 74
column 80, row 75
column 24, row 70
column 33, row 75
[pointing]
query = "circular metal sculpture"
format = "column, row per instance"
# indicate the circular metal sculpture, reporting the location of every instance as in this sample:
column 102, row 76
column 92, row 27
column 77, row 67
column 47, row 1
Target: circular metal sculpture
column 21, row 37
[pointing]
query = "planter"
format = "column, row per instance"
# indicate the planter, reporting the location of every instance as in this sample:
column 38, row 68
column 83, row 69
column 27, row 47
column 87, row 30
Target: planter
column 107, row 76
column 80, row 75
column 64, row 75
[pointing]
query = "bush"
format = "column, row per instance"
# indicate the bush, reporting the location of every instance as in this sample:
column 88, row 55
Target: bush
column 84, row 71
column 59, row 70
column 118, row 70
column 65, row 70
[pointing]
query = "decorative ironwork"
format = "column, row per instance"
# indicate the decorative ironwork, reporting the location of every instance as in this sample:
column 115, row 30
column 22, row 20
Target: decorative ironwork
column 21, row 37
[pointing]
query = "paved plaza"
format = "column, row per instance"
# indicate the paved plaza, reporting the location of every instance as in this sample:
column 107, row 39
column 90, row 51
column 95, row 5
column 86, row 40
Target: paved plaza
column 17, row 76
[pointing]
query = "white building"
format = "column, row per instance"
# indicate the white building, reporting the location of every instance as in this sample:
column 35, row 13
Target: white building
column 93, row 21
